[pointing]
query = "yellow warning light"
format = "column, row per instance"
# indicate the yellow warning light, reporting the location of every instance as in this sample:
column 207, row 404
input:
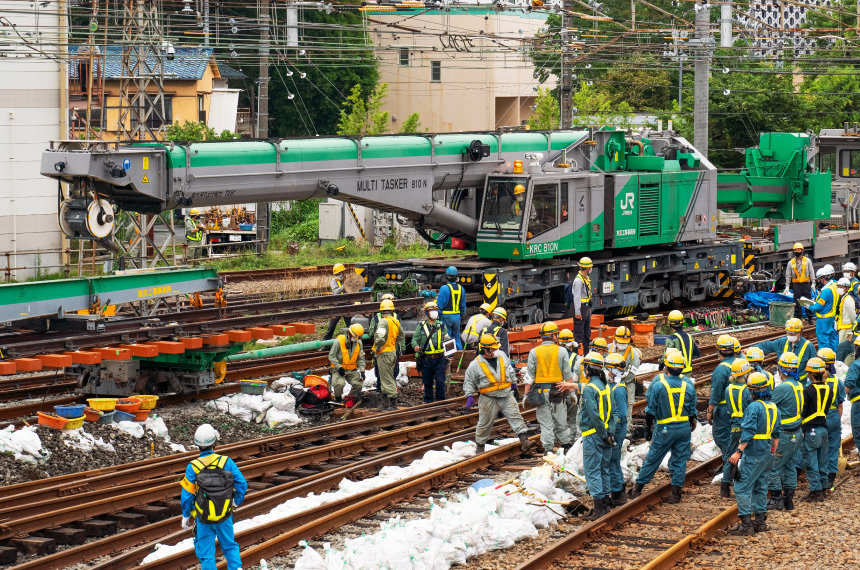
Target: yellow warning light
column 518, row 167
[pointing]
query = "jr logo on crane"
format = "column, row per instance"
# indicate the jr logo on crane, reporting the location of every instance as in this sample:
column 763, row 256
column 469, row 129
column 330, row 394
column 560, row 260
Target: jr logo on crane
column 627, row 203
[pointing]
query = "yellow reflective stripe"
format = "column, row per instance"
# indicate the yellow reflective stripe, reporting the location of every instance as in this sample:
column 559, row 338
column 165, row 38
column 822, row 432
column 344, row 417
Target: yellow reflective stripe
column 855, row 398
column 391, row 339
column 349, row 361
column 588, row 432
column 801, row 277
column 676, row 412
column 433, row 348
column 736, row 390
column 686, row 351
column 839, row 323
column 798, row 401
column 495, row 383
column 820, row 403
column 769, row 420
column 587, row 282
column 455, row 299
column 547, row 370
column 188, row 485
column 833, row 383
column 605, row 412
column 832, row 312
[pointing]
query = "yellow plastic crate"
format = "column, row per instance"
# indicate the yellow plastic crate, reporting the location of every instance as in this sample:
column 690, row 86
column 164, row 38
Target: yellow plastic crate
column 103, row 404
column 147, row 402
column 75, row 423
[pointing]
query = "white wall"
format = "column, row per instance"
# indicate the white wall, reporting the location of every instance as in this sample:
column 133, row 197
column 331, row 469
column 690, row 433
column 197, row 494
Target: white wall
column 32, row 113
column 222, row 109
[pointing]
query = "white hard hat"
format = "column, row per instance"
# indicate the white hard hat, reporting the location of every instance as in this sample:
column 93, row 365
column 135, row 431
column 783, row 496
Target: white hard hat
column 844, row 282
column 824, row 271
column 206, row 436
column 849, row 267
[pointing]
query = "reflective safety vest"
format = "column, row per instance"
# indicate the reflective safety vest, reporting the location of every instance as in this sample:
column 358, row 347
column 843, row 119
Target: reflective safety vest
column 470, row 329
column 770, row 420
column 196, row 235
column 841, row 307
column 391, row 339
column 798, row 401
column 587, row 282
column 548, row 371
column 456, row 294
column 833, row 383
column 499, row 383
column 348, row 361
column 729, row 366
column 686, row 351
column 433, row 347
column 806, row 344
column 833, row 303
column 801, row 277
column 821, row 393
column 736, row 399
column 604, row 407
column 674, row 411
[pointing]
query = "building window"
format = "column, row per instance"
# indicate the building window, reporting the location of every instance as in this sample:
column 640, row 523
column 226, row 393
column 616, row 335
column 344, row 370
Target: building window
column 154, row 120
column 201, row 109
column 435, row 71
column 849, row 161
column 404, row 56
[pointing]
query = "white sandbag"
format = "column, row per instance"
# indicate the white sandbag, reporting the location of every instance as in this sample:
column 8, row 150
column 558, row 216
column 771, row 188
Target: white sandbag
column 285, row 402
column 254, row 402
column 283, row 384
column 278, row 418
column 157, row 426
column 133, row 429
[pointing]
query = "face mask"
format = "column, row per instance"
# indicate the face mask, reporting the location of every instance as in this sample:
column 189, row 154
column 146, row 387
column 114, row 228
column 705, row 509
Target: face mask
column 621, row 345
column 798, row 253
column 792, row 338
column 433, row 315
column 847, row 275
column 840, row 290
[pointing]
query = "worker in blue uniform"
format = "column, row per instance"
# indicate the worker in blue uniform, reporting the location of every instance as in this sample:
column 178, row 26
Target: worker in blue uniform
column 788, row 397
column 452, row 302
column 852, row 386
column 718, row 414
column 849, row 272
column 760, row 429
column 834, row 415
column 737, row 399
column 206, row 532
column 597, row 422
column 671, row 402
column 615, row 365
column 793, row 341
column 816, row 399
column 755, row 356
column 825, row 308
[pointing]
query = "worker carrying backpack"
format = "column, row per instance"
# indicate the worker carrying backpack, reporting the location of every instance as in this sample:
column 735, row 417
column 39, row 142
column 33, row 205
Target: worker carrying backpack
column 213, row 501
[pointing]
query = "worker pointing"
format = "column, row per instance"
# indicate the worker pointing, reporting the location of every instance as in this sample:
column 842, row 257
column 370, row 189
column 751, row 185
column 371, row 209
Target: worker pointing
column 788, row 397
column 825, row 309
column 452, row 302
column 582, row 304
column 798, row 278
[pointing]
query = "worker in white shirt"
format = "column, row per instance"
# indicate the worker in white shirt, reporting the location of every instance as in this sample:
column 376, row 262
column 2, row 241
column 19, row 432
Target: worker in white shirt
column 846, row 312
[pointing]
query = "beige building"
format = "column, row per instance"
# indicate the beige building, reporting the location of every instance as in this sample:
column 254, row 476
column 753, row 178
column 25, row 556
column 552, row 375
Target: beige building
column 461, row 70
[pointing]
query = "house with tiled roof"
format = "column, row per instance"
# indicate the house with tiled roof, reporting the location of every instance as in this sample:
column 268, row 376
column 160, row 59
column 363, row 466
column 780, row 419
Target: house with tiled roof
column 193, row 86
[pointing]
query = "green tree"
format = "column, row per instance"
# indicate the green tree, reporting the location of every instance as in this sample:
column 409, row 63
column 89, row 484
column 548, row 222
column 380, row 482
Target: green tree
column 360, row 116
column 546, row 113
column 195, row 131
column 412, row 124
column 592, row 106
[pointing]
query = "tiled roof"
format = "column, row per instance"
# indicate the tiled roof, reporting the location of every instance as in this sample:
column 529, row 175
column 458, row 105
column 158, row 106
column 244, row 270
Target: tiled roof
column 228, row 72
column 188, row 64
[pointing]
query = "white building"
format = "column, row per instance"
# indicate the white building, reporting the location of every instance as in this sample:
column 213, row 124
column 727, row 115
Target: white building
column 33, row 84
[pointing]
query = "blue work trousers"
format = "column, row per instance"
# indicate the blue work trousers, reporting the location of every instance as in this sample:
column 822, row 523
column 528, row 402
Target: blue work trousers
column 855, row 422
column 452, row 325
column 815, row 458
column 433, row 372
column 596, row 459
column 734, row 441
column 751, row 490
column 671, row 438
column 783, row 472
column 616, row 475
column 825, row 330
column 204, row 544
column 834, row 440
column 721, row 429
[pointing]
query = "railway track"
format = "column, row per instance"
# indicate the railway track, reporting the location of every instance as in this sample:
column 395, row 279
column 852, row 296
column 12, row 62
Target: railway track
column 646, row 532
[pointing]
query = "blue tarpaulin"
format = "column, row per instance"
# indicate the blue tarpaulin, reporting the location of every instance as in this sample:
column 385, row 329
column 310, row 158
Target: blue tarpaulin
column 761, row 300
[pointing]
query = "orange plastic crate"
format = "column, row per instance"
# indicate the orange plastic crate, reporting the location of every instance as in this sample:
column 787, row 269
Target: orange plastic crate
column 85, row 357
column 239, row 336
column 261, row 333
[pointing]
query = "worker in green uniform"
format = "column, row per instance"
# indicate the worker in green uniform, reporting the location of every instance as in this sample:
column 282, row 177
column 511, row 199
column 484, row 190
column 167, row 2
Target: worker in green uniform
column 430, row 354
column 565, row 339
column 737, row 398
column 194, row 234
column 793, row 341
column 852, row 386
column 682, row 341
column 788, row 398
column 834, row 415
column 671, row 402
column 347, row 363
column 718, row 413
column 760, row 430
column 548, row 365
column 598, row 433
column 371, row 333
column 387, row 338
column 489, row 377
column 816, row 399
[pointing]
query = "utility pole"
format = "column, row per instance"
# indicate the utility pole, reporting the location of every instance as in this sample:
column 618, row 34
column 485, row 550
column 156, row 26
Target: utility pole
column 264, row 209
column 726, row 25
column 704, row 42
column 566, row 88
column 141, row 86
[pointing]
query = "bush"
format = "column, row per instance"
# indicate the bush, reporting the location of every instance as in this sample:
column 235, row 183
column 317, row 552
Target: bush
column 299, row 223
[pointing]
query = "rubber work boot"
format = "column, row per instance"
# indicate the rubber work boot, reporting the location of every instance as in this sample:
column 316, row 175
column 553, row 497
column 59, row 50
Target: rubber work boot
column 674, row 495
column 636, row 491
column 788, row 499
column 814, row 497
column 760, row 522
column 617, row 498
column 479, row 448
column 775, row 503
column 601, row 507
column 726, row 490
column 525, row 443
column 743, row 528
column 392, row 402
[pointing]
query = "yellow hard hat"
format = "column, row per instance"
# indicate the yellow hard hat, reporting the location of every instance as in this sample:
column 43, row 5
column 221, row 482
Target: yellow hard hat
column 519, row 189
column 548, row 328
column 623, row 334
column 389, row 296
column 736, row 344
column 815, row 365
column 674, row 360
column 676, row 316
column 356, row 330
column 593, row 358
column 193, row 212
column 827, row 355
column 386, row 305
column 794, row 325
column 740, row 367
column 585, row 262
column 600, row 344
column 489, row 341
column 797, row 246
column 566, row 335
column 500, row 312
column 338, row 268
column 486, row 308
column 754, row 354
column 757, row 381
column 789, row 361
column 725, row 342
column 614, row 360
column 430, row 306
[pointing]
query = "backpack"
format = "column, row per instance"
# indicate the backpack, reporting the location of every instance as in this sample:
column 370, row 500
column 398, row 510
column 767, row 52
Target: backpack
column 311, row 397
column 213, row 501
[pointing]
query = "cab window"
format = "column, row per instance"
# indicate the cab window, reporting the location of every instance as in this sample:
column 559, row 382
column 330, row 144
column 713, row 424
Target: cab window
column 504, row 204
column 544, row 212
column 849, row 163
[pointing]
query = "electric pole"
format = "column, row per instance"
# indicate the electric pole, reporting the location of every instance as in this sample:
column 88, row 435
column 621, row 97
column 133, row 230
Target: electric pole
column 566, row 87
column 703, row 42
column 264, row 209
